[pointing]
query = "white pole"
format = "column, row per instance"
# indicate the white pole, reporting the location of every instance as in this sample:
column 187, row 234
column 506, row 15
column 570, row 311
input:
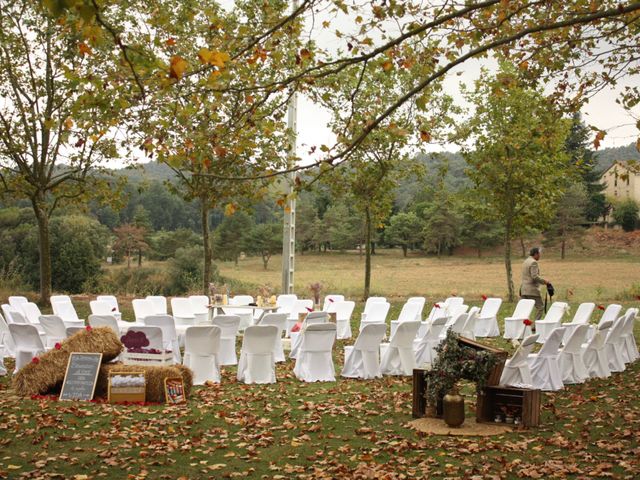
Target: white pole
column 289, row 232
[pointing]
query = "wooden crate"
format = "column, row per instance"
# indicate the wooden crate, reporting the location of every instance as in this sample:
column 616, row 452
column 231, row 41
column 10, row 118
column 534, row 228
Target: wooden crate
column 525, row 402
column 419, row 403
column 149, row 359
column 126, row 394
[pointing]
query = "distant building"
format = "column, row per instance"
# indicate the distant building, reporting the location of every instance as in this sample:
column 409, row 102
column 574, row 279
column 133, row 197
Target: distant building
column 622, row 181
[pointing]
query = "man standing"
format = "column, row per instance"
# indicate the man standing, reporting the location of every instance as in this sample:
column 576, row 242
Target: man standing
column 531, row 280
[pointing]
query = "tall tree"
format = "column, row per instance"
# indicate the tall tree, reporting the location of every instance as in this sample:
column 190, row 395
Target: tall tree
column 60, row 97
column 518, row 162
column 404, row 229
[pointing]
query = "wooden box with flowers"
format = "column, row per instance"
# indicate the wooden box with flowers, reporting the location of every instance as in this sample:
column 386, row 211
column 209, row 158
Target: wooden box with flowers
column 509, row 405
column 137, row 351
column 458, row 359
column 126, row 387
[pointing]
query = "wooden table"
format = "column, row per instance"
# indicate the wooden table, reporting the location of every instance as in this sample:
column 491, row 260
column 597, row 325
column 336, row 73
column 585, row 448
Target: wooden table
column 228, row 309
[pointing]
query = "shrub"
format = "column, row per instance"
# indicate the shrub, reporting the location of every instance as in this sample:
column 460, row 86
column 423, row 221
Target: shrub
column 626, row 215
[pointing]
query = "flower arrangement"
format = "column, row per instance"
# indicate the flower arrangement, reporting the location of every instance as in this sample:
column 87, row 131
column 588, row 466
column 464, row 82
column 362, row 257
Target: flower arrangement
column 316, row 289
column 527, row 322
column 456, row 362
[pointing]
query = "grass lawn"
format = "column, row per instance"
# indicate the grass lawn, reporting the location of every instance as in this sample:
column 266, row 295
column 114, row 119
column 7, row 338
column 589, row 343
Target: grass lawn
column 346, row 429
column 575, row 280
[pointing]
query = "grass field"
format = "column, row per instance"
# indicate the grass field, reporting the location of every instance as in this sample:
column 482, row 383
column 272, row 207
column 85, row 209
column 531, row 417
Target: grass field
column 593, row 279
column 342, row 429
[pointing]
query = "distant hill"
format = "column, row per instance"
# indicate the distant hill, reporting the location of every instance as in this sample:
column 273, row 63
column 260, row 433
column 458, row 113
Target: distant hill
column 607, row 156
column 146, row 172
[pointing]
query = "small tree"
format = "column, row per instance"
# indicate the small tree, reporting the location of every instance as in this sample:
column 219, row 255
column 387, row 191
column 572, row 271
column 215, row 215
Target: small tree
column 626, row 215
column 265, row 239
column 229, row 236
column 569, row 218
column 404, row 229
column 129, row 239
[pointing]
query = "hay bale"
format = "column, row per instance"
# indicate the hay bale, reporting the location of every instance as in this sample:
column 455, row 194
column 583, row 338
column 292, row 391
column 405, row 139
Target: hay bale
column 47, row 375
column 155, row 376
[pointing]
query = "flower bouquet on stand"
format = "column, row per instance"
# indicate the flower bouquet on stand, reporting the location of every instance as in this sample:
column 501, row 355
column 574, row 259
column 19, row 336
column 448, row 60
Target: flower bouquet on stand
column 316, row 290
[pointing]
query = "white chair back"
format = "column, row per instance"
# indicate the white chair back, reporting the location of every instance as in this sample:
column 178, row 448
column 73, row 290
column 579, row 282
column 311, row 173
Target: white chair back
column 490, row 307
column 523, row 309
column 153, row 334
column 313, row 318
column 73, row 330
column 64, row 309
column 228, row 324
column 370, row 337
column 612, row 312
column 300, row 306
column 111, row 300
column 17, row 302
column 319, row 338
column 54, row 328
column 377, row 312
column 31, row 312
column 459, row 323
column 99, row 307
column 575, row 341
column 199, row 303
column 9, row 312
column 552, row 344
column 143, row 308
column 556, row 312
column 182, row 310
column 522, row 352
column 421, row 301
column 256, row 357
column 159, row 303
column 410, row 312
column 59, row 298
column 105, row 321
column 371, row 300
column 285, row 302
column 583, row 313
column 25, row 337
column 343, row 309
column 169, row 335
column 202, row 339
column 406, row 332
column 259, row 339
column 331, row 299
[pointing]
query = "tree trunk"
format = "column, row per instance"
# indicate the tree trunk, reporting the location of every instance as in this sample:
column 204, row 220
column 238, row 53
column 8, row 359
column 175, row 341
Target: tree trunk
column 265, row 260
column 139, row 258
column 507, row 261
column 206, row 243
column 562, row 249
column 524, row 252
column 367, row 253
column 404, row 250
column 44, row 249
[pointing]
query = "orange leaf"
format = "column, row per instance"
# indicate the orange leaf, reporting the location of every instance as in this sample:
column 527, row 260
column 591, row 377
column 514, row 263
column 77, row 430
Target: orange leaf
column 599, row 137
column 387, row 65
column 229, row 209
column 425, row 136
column 84, row 49
column 170, row 42
column 305, row 54
column 178, row 67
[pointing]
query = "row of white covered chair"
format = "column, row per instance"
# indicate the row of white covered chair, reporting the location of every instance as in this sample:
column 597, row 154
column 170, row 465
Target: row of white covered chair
column 611, row 346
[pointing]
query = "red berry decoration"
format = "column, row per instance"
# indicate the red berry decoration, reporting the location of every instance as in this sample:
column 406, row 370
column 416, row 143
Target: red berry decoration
column 35, row 360
column 57, row 346
column 88, row 328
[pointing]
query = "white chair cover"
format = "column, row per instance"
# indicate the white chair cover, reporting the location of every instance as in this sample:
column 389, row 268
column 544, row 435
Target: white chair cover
column 142, row 308
column 572, row 367
column 375, row 313
column 513, row 325
column 344, row 310
column 112, row 301
column 182, row 310
column 169, row 333
column 613, row 346
column 73, row 330
column 229, row 325
column 581, row 317
column 315, row 363
column 32, row 313
column 545, row 371
column 12, row 315
column 362, row 360
column 200, row 306
column 299, row 306
column 54, row 329
column 153, row 334
column 201, row 347
column 551, row 321
column 594, row 353
column 6, row 341
column 516, row 372
column 312, row 318
column 159, row 303
column 245, row 314
column 285, row 303
column 27, row 343
column 628, row 340
column 409, row 313
column 104, row 321
column 487, row 320
column 279, row 320
column 397, row 357
column 425, row 348
column 256, row 356
column 17, row 302
column 420, row 301
column 329, row 299
column 65, row 310
column 612, row 312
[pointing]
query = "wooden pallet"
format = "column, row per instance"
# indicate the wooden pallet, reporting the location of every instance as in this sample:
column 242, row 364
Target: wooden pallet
column 524, row 401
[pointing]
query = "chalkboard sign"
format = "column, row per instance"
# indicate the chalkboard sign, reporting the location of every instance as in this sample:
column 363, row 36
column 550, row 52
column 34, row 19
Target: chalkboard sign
column 81, row 376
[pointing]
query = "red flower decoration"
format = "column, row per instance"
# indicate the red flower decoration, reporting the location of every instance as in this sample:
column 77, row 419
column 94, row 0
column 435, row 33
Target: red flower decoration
column 88, row 328
column 309, row 309
column 296, row 327
column 527, row 322
column 331, row 300
column 600, row 307
column 437, row 305
column 484, row 297
column 113, row 309
column 35, row 360
column 57, row 346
